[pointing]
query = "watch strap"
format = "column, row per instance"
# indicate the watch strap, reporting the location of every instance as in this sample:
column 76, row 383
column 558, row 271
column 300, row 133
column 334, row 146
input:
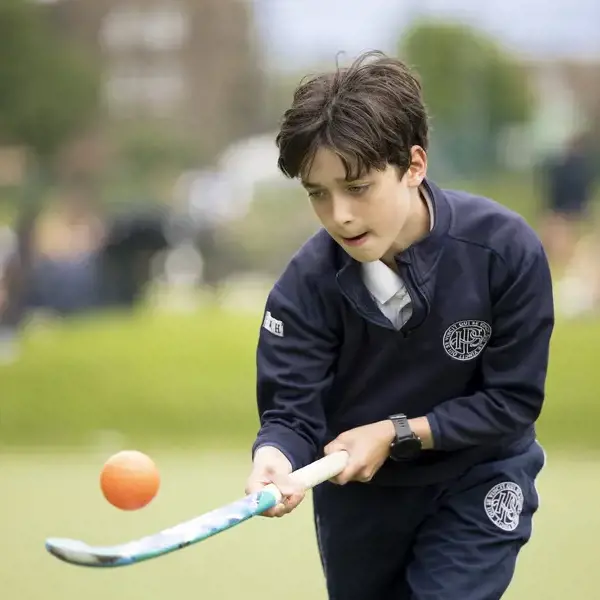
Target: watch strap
column 402, row 428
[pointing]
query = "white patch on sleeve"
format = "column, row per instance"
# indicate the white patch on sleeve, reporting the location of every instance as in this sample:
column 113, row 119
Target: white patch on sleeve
column 273, row 325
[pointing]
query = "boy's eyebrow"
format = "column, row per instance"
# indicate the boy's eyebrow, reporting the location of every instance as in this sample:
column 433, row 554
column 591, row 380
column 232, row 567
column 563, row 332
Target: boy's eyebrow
column 306, row 183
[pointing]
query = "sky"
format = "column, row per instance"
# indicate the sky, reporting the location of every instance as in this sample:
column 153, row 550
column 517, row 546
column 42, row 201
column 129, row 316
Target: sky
column 296, row 33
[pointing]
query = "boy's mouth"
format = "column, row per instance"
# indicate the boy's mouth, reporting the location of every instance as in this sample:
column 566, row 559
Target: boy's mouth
column 356, row 240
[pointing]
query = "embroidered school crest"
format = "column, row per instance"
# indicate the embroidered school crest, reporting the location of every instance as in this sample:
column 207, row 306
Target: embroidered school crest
column 464, row 340
column 503, row 505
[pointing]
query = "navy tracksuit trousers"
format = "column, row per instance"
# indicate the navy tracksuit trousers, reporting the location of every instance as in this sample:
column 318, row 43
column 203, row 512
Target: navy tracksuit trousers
column 456, row 541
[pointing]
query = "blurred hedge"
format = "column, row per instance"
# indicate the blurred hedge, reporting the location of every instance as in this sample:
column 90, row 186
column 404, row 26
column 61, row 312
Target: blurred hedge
column 151, row 378
column 189, row 380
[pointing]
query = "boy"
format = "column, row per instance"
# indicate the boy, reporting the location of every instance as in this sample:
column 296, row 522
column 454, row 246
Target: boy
column 412, row 331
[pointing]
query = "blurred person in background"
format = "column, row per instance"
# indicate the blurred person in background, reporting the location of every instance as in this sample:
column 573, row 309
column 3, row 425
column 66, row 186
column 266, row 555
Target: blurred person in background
column 66, row 239
column 8, row 311
column 568, row 181
column 82, row 259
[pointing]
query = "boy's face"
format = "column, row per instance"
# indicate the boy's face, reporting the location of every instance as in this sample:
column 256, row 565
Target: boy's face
column 372, row 217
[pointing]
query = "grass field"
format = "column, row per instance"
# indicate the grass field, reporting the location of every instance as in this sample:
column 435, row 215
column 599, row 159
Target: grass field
column 58, row 495
column 171, row 385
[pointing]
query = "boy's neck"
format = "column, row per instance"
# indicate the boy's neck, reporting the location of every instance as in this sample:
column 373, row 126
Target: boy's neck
column 417, row 227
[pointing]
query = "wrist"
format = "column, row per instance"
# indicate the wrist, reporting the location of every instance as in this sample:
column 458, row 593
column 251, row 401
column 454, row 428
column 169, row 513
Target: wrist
column 272, row 456
column 388, row 432
column 420, row 427
column 411, row 437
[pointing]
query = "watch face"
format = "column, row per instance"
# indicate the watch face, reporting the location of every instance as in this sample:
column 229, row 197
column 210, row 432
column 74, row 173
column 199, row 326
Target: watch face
column 405, row 449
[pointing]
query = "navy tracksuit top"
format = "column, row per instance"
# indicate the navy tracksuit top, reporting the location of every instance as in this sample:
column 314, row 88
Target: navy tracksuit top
column 473, row 357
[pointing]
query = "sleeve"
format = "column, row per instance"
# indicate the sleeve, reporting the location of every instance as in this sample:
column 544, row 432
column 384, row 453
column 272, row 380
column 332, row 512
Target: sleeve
column 295, row 367
column 514, row 364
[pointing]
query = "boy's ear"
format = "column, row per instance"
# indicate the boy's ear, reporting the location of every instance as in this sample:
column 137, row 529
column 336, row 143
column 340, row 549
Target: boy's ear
column 418, row 166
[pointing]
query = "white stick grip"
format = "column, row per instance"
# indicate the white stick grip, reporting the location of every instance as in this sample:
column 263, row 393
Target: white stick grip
column 321, row 470
column 315, row 473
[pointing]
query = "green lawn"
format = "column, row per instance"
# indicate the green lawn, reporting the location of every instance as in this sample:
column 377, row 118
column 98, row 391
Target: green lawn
column 55, row 495
column 185, row 383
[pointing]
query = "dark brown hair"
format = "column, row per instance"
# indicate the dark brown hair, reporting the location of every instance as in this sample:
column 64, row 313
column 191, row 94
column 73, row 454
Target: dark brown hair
column 370, row 113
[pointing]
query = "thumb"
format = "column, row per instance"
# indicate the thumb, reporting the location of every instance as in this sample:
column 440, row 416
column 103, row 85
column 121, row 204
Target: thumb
column 292, row 493
column 286, row 484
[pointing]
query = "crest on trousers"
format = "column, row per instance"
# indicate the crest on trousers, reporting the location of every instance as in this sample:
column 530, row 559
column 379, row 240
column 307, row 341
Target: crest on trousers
column 465, row 340
column 503, row 505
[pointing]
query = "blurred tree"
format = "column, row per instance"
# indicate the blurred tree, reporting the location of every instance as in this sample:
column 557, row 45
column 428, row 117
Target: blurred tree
column 473, row 88
column 48, row 90
column 48, row 94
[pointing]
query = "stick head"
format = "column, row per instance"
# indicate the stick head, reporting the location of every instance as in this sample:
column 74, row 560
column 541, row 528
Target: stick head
column 79, row 553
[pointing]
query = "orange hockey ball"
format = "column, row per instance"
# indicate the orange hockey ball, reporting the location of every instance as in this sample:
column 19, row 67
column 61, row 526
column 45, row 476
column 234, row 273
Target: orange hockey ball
column 129, row 480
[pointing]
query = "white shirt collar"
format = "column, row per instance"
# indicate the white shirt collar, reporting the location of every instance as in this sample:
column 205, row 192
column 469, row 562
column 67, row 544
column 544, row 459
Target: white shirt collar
column 381, row 281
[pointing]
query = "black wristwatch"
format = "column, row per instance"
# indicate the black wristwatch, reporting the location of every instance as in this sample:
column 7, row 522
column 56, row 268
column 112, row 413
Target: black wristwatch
column 406, row 445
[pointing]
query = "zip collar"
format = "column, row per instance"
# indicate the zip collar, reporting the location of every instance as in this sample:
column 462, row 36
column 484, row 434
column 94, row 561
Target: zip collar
column 417, row 266
column 425, row 253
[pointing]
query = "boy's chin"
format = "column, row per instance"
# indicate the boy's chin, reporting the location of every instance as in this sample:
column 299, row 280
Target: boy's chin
column 363, row 255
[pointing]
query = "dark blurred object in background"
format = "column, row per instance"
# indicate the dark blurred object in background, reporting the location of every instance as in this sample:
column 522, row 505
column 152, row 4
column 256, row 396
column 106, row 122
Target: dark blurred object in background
column 125, row 259
column 568, row 180
column 111, row 272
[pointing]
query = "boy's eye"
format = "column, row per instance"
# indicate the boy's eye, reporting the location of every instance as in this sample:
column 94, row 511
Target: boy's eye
column 315, row 194
column 358, row 189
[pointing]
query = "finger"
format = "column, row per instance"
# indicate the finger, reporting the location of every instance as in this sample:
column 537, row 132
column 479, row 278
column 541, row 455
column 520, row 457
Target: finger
column 344, row 477
column 275, row 511
column 364, row 476
column 292, row 501
column 286, row 506
column 287, row 485
column 334, row 446
column 353, row 472
column 292, row 494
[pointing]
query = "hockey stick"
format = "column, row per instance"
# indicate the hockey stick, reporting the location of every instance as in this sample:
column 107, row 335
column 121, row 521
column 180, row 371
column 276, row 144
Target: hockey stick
column 195, row 530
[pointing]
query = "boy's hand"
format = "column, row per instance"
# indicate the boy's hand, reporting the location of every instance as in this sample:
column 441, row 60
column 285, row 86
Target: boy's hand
column 368, row 448
column 271, row 466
